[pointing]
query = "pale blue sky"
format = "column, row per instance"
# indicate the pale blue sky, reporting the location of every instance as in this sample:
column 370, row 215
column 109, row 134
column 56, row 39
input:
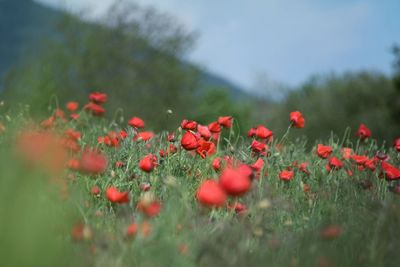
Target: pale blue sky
column 288, row 40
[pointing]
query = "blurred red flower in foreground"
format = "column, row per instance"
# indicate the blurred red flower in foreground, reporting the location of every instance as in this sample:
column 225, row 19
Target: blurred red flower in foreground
column 297, row 119
column 211, row 194
column 324, row 151
column 149, row 205
column 136, row 122
column 331, row 232
column 42, row 149
column 131, row 230
column 363, row 132
column 81, row 232
column 189, row 141
column 150, row 209
column 234, row 181
column 98, row 98
column 115, row 196
column 93, row 162
column 391, row 172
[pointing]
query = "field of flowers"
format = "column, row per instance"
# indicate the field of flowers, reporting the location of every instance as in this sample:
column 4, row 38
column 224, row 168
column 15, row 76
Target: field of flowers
column 81, row 190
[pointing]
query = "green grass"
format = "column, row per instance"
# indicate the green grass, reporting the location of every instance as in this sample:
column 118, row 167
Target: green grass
column 282, row 225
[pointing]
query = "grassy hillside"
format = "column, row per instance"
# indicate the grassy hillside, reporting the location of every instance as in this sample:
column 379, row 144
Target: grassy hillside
column 25, row 23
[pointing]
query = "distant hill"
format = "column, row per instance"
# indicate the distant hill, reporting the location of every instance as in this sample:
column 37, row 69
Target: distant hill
column 24, row 23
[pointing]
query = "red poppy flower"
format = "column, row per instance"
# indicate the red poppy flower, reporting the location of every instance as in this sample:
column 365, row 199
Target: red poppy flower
column 225, row 121
column 335, row 163
column 115, row 196
column 234, row 182
column 324, row 151
column 74, row 164
column 216, row 164
column 47, row 123
column 98, row 98
column 95, row 190
column 297, row 119
column 258, row 165
column 145, row 187
column 95, row 109
column 263, row 133
column 258, row 147
column 74, row 116
column 172, row 149
column 204, row 131
column 214, row 127
column 72, row 106
column 147, row 163
column 59, row 113
column 363, row 132
column 331, row 232
column 188, row 125
column 251, row 133
column 93, row 162
column 391, row 172
column 123, row 134
column 286, row 175
column 397, row 144
column 136, row 122
column 346, row 153
column 211, row 194
column 370, row 164
column 81, row 232
column 171, row 137
column 205, row 148
column 303, row 168
column 70, row 133
column 150, row 209
column 131, row 230
column 238, row 207
column 189, row 141
column 143, row 136
column 360, row 160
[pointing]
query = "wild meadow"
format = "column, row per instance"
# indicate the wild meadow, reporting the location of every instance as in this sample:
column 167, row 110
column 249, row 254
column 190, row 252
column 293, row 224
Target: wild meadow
column 80, row 189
